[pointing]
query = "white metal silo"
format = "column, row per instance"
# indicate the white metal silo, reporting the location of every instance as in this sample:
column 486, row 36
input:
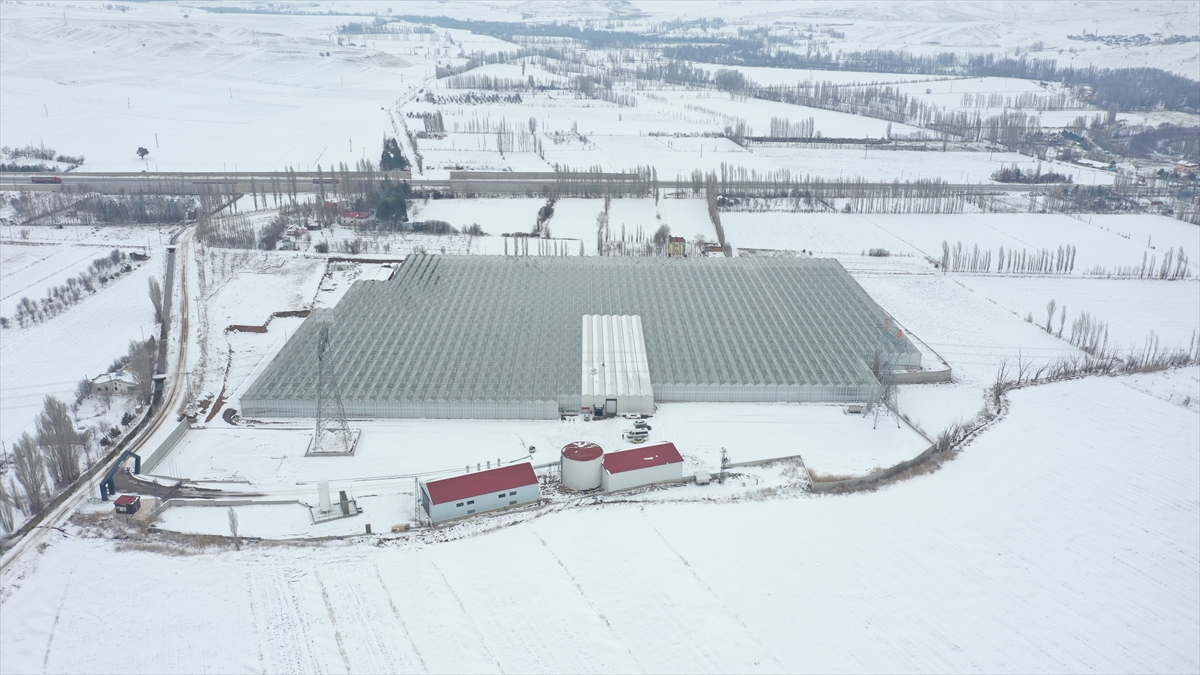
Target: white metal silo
column 582, row 464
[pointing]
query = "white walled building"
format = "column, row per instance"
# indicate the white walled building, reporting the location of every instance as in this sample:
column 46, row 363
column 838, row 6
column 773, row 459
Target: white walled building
column 616, row 373
column 120, row 382
column 641, row 466
column 480, row 491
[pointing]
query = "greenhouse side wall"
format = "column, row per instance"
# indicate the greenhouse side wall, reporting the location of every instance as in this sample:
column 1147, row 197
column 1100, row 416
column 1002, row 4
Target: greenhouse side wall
column 500, row 410
column 734, row 393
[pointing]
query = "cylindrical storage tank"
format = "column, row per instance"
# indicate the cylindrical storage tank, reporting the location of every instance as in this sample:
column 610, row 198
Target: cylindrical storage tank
column 582, row 463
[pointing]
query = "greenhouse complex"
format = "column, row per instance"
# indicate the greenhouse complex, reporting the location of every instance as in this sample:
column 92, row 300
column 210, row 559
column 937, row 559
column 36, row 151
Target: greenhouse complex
column 541, row 337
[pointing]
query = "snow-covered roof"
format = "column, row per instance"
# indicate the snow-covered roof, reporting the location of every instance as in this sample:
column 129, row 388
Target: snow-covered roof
column 480, row 483
column 614, row 357
column 582, row 451
column 121, row 376
column 640, row 458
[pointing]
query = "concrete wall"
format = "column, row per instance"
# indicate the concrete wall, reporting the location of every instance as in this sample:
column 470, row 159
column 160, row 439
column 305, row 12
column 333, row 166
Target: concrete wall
column 612, row 482
column 923, row 377
column 156, row 457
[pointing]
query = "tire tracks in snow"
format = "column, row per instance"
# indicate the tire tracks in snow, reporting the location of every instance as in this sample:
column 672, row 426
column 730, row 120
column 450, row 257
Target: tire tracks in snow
column 463, row 608
column 591, row 604
column 57, row 615
column 258, row 632
column 337, row 633
column 392, row 603
column 704, row 584
column 285, row 627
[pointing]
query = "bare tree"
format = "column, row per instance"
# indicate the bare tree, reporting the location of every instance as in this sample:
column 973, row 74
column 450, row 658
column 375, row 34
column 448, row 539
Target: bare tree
column 6, row 504
column 83, row 389
column 156, row 298
column 662, row 236
column 1050, row 307
column 141, row 364
column 30, row 472
column 233, row 528
column 601, row 229
column 57, row 436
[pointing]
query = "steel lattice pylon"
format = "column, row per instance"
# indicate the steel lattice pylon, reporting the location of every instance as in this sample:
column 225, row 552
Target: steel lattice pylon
column 333, row 433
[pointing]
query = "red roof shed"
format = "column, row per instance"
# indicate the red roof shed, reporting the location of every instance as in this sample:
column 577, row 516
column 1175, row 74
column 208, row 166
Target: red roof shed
column 481, row 483
column 658, row 454
column 127, row 504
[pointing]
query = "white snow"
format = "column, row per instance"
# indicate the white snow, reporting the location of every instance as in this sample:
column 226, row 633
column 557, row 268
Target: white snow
column 1045, row 545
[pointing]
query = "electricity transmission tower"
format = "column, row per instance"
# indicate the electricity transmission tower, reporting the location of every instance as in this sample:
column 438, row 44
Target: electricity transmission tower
column 883, row 367
column 333, row 434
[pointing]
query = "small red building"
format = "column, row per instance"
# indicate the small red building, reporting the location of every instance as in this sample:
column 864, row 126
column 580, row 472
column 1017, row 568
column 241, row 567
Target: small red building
column 127, row 504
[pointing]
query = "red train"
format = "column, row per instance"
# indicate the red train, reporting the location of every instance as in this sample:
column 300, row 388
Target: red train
column 46, row 179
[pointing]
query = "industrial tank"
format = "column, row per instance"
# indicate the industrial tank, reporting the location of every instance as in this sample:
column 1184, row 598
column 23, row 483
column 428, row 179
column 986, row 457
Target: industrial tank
column 582, row 463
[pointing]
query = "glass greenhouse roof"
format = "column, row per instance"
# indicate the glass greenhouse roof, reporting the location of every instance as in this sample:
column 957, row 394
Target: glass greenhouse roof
column 494, row 336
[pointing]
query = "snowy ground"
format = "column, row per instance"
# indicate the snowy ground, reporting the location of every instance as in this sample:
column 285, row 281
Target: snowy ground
column 271, row 460
column 1065, row 538
column 1108, row 241
column 1029, row 552
column 210, row 92
column 50, row 358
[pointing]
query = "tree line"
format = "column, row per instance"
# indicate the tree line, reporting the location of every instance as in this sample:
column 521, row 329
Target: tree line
column 59, row 299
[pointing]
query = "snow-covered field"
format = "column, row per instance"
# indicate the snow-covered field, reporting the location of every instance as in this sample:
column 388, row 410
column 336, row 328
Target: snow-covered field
column 210, row 92
column 1108, row 241
column 1065, row 537
column 51, row 357
column 1041, row 547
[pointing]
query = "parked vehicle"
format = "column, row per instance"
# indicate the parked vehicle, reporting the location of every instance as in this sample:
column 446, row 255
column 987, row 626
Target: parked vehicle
column 636, row 435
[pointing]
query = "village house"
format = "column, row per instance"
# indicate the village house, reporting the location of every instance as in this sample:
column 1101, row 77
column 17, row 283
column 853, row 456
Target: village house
column 120, row 382
column 353, row 218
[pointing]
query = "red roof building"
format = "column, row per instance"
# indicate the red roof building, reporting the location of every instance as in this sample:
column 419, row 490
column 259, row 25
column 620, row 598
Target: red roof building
column 480, row 491
column 351, row 218
column 641, row 466
column 127, row 504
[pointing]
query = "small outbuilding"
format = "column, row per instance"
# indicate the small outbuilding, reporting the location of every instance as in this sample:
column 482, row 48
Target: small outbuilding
column 641, row 466
column 127, row 504
column 481, row 491
column 581, row 465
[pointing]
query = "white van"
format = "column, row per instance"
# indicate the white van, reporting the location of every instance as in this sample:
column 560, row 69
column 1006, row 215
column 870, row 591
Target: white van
column 636, row 435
